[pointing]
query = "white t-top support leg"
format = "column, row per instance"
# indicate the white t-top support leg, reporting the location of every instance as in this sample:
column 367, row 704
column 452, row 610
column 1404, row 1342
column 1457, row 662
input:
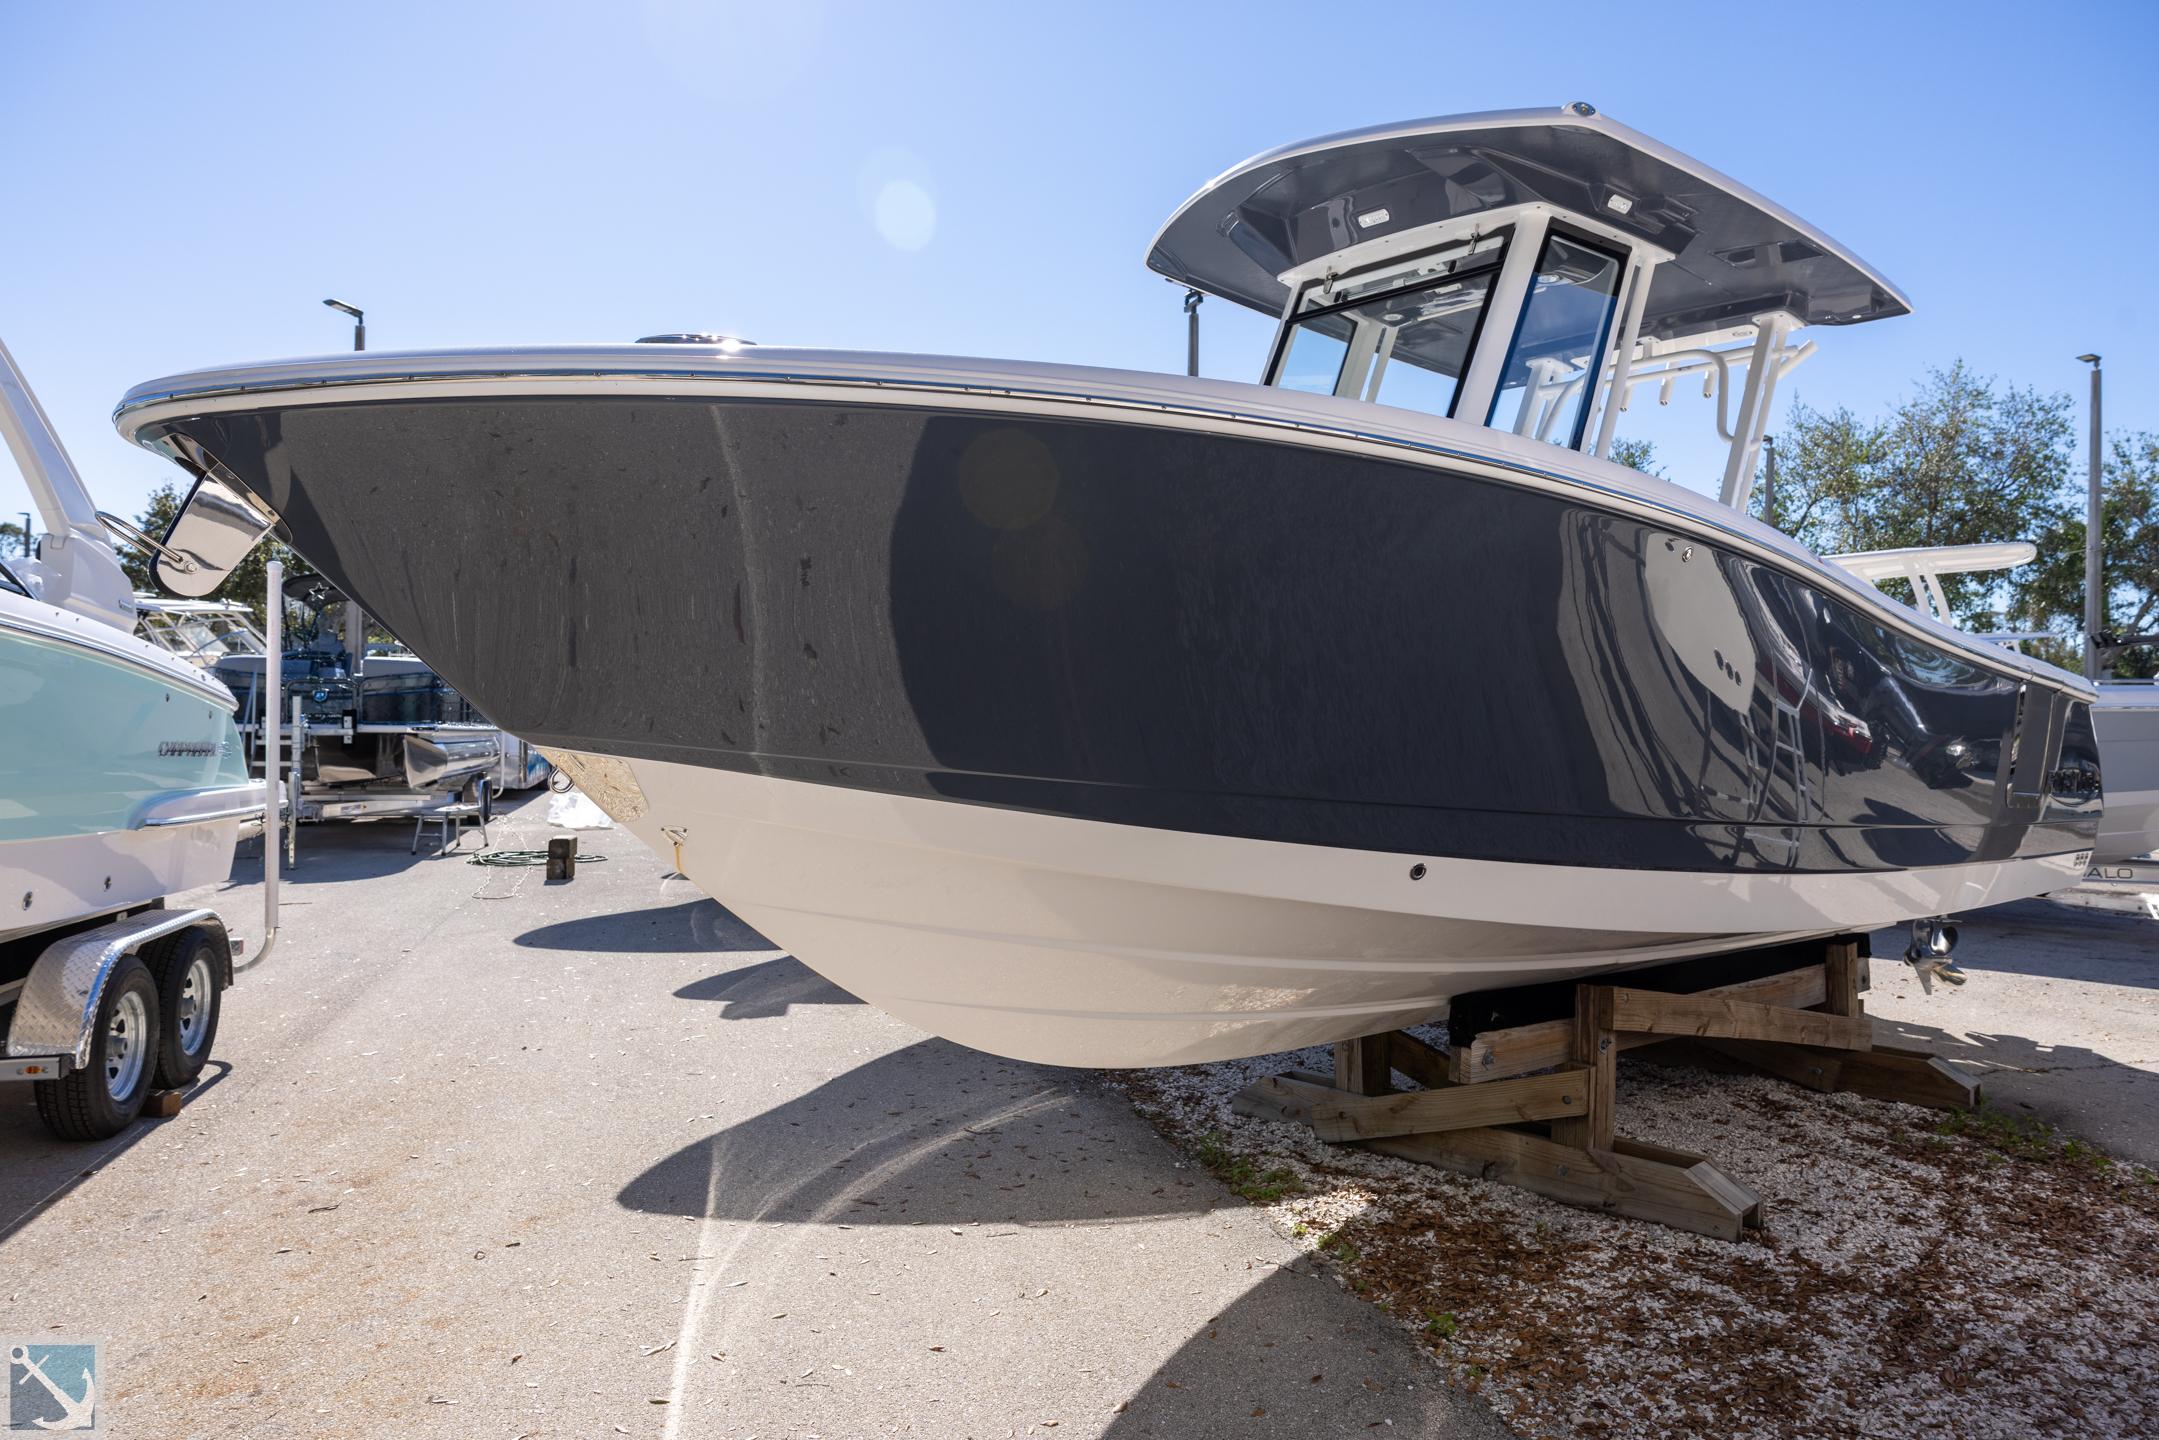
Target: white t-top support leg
column 1503, row 313
column 1615, row 393
column 1752, row 423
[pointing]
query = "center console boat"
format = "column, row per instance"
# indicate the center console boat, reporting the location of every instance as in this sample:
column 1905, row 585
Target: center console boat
column 1107, row 718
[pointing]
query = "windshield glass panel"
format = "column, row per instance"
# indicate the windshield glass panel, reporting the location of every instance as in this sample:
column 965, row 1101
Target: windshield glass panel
column 1544, row 389
column 1317, row 349
column 1402, row 339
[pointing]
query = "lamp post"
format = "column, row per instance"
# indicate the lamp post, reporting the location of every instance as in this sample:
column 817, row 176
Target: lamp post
column 359, row 322
column 1191, row 342
column 2094, row 594
column 1769, row 482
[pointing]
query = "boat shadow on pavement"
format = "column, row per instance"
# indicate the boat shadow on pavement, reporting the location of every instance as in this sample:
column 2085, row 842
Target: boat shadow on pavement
column 680, row 929
column 930, row 1134
column 761, row 990
column 935, row 1135
column 1298, row 1356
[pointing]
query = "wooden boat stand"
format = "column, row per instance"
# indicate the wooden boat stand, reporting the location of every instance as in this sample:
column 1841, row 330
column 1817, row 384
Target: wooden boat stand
column 1531, row 1104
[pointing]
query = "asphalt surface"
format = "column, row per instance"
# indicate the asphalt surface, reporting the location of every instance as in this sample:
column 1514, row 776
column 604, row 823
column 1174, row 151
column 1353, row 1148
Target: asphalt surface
column 483, row 1156
column 2059, row 1018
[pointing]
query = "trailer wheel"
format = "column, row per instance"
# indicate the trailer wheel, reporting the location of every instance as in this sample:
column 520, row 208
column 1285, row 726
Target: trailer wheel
column 101, row 1100
column 190, row 1000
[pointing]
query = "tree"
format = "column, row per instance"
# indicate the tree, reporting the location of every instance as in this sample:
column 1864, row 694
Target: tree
column 1638, row 455
column 2053, row 593
column 247, row 582
column 1960, row 462
column 1826, row 465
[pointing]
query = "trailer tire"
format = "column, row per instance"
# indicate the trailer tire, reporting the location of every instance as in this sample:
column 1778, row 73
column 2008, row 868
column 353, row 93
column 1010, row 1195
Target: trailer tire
column 190, row 999
column 123, row 1059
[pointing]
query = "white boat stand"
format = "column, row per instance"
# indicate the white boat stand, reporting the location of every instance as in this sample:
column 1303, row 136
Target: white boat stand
column 1533, row 1104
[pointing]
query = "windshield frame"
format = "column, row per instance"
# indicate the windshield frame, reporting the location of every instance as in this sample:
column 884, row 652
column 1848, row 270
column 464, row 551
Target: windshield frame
column 1470, row 255
column 1595, row 374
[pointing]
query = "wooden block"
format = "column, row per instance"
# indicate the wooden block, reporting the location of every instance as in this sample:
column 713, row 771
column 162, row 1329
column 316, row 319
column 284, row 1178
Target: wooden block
column 1911, row 1077
column 1517, row 1050
column 1840, row 968
column 1698, row 1197
column 1649, row 1012
column 1798, row 989
column 562, row 858
column 1802, row 1065
column 1498, row 1054
column 1455, row 1107
column 1279, row 1097
column 1360, row 1065
column 1595, row 1049
column 164, row 1104
column 1687, row 1160
column 1419, row 1061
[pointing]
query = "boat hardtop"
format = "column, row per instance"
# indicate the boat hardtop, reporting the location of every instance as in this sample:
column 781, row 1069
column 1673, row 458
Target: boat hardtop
column 1347, row 199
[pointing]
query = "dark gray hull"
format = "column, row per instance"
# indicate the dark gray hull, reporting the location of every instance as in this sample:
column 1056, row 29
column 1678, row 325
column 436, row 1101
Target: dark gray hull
column 1244, row 634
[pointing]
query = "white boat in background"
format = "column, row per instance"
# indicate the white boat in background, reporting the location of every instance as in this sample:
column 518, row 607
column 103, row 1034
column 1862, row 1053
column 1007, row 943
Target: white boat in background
column 121, row 783
column 2125, row 716
column 201, row 632
column 382, row 736
column 1107, row 718
column 121, row 775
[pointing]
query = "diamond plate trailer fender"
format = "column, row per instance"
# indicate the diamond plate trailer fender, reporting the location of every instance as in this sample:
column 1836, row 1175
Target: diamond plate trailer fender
column 57, row 1007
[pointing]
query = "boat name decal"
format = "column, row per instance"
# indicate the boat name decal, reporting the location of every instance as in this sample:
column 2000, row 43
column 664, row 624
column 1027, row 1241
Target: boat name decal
column 166, row 748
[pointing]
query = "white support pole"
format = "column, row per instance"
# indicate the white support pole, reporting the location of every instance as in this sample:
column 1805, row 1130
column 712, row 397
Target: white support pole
column 292, row 780
column 1938, row 596
column 1615, row 396
column 1502, row 316
column 1753, row 419
column 273, row 690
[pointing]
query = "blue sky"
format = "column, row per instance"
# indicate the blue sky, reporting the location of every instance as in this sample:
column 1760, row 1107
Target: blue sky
column 187, row 182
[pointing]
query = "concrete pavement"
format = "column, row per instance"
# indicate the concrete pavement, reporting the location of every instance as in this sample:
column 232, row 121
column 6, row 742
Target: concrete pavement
column 2060, row 1018
column 490, row 1157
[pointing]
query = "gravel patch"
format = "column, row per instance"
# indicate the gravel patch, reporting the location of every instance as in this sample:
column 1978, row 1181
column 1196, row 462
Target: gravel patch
column 1918, row 1275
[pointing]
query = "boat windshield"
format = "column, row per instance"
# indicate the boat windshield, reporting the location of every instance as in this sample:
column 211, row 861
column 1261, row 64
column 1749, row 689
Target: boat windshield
column 9, row 582
column 201, row 637
column 1400, row 338
column 1544, row 389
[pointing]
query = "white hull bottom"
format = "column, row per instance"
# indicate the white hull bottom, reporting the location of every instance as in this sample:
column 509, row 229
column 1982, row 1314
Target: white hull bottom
column 49, row 882
column 1073, row 942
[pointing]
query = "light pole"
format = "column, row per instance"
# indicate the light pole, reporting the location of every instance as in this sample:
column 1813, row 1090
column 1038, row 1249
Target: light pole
column 359, row 322
column 1769, row 482
column 1191, row 342
column 2094, row 594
